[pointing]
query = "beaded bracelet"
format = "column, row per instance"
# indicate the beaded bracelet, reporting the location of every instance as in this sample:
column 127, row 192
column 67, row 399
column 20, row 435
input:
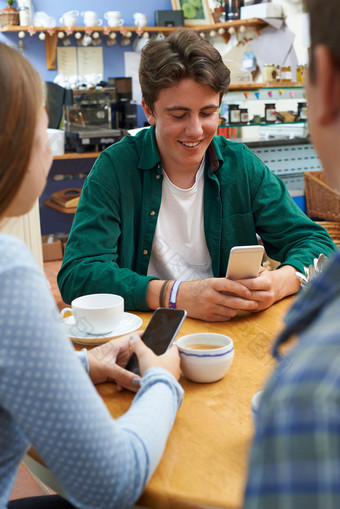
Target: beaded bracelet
column 162, row 293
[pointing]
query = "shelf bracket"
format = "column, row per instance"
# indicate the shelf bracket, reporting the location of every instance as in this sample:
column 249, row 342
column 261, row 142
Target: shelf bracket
column 51, row 42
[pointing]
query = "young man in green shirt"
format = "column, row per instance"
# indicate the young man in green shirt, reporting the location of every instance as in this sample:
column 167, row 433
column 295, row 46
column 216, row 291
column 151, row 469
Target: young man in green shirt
column 170, row 203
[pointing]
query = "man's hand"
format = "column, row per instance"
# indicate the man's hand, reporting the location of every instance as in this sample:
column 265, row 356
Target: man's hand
column 272, row 285
column 214, row 299
column 219, row 299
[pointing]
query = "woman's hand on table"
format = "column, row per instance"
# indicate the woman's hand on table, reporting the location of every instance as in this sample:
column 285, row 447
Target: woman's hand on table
column 107, row 363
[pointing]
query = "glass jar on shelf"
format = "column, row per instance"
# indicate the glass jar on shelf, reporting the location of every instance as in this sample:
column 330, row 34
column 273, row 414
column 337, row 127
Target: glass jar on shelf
column 277, row 73
column 286, row 73
column 234, row 114
column 244, row 115
column 302, row 111
column 24, row 16
column 270, row 113
column 268, row 72
column 301, row 73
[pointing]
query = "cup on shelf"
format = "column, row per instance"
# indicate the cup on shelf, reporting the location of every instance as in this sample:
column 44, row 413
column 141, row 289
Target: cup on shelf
column 91, row 19
column 39, row 18
column 114, row 18
column 69, row 19
column 140, row 19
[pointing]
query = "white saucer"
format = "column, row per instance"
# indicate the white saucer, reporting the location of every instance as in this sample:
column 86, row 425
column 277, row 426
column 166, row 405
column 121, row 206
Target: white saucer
column 127, row 324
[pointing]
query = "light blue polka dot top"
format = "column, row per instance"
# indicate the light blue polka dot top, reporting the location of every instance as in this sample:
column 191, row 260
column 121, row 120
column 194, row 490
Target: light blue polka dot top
column 48, row 400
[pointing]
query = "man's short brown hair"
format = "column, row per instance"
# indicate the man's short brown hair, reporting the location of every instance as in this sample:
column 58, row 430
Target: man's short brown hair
column 324, row 28
column 184, row 54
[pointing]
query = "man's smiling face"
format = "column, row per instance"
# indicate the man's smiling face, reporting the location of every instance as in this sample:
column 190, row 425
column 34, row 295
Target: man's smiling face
column 186, row 119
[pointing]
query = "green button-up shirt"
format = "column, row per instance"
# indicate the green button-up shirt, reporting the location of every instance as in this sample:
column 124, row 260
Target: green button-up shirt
column 111, row 238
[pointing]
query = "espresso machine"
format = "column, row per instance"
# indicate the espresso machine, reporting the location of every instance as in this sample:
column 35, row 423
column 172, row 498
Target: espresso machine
column 124, row 110
column 97, row 117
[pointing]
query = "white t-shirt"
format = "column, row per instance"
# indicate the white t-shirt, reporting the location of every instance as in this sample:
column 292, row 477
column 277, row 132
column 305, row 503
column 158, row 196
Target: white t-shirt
column 179, row 249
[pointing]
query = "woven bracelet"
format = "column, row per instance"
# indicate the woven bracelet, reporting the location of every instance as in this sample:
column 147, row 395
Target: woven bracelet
column 173, row 294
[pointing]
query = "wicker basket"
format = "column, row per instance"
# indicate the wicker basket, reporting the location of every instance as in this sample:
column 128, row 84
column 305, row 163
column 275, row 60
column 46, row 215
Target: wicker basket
column 322, row 201
column 9, row 18
column 333, row 229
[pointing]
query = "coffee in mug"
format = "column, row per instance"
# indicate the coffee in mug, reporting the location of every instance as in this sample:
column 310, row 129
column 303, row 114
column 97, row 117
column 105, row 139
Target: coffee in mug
column 201, row 346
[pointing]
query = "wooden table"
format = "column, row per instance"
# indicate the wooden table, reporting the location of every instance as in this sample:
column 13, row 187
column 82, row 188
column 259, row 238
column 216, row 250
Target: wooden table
column 205, row 461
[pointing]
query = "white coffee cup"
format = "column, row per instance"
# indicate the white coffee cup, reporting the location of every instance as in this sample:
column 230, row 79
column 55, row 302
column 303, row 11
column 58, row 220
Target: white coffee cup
column 91, row 19
column 69, row 19
column 114, row 18
column 255, row 403
column 140, row 19
column 97, row 313
column 205, row 356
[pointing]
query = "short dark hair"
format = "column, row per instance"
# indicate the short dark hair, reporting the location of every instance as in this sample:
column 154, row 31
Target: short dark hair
column 324, row 28
column 183, row 54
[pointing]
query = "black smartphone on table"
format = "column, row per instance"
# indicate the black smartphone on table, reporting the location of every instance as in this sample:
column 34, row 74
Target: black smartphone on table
column 160, row 333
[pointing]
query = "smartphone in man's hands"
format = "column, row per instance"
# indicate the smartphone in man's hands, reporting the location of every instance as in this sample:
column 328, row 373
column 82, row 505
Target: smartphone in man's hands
column 244, row 262
column 160, row 333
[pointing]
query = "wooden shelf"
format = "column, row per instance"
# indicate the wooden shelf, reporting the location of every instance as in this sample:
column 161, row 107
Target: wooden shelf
column 51, row 39
column 270, row 85
column 255, row 22
column 76, row 155
column 261, row 124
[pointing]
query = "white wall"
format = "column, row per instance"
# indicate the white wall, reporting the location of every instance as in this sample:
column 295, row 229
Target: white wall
column 296, row 22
